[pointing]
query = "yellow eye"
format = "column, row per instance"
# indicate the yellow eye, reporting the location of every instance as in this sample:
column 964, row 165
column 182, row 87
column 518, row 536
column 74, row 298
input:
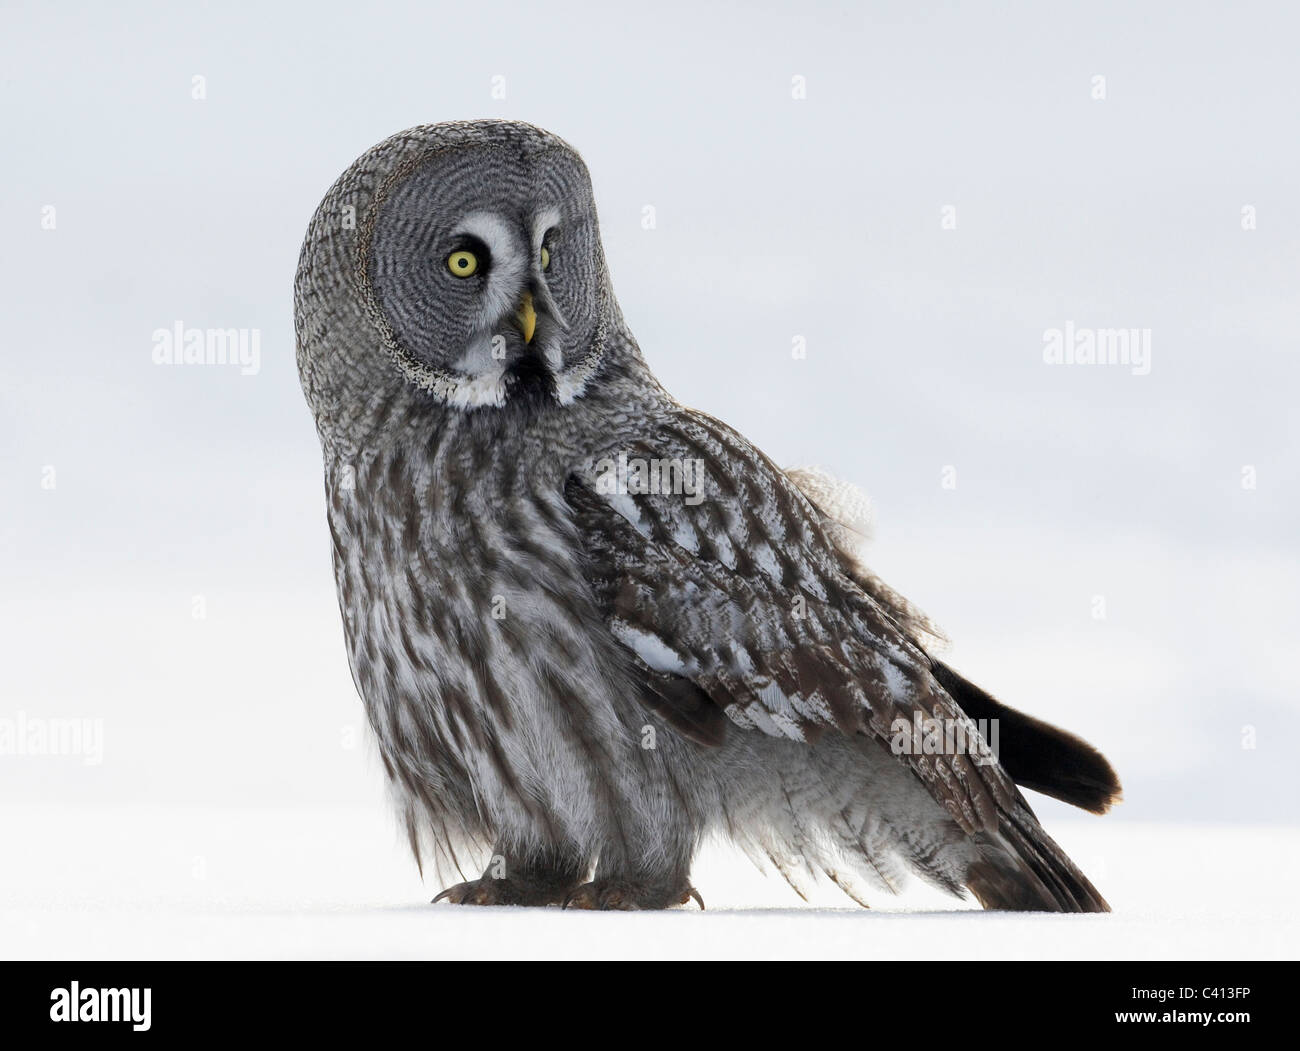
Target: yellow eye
column 546, row 257
column 462, row 264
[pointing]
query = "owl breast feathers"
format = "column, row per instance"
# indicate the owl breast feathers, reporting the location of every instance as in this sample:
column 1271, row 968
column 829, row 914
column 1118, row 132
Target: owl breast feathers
column 591, row 626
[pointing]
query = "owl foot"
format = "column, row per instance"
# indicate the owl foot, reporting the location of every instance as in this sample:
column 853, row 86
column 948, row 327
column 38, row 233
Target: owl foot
column 628, row 895
column 488, row 891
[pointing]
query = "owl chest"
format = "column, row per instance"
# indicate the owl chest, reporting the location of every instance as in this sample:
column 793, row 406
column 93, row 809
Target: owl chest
column 466, row 613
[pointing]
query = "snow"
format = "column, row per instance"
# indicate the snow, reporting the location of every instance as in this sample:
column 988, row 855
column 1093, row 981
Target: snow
column 140, row 882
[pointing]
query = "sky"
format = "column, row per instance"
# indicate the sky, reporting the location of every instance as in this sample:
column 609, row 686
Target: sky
column 924, row 198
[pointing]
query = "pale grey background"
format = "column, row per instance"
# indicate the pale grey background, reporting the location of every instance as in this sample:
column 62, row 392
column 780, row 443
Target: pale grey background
column 776, row 217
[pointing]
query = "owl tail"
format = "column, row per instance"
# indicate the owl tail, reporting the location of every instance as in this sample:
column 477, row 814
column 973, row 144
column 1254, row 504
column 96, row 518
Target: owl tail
column 1021, row 867
column 1036, row 754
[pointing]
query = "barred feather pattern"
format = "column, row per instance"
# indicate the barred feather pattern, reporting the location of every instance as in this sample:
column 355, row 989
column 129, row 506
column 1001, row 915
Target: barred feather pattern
column 596, row 681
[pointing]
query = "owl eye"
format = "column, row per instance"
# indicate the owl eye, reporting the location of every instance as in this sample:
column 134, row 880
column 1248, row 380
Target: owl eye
column 462, row 263
column 546, row 257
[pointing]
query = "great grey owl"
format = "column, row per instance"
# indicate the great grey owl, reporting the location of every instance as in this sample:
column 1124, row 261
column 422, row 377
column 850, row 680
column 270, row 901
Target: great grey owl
column 590, row 626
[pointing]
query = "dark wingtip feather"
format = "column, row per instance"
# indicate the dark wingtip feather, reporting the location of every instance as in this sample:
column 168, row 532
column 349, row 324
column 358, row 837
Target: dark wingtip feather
column 1023, row 870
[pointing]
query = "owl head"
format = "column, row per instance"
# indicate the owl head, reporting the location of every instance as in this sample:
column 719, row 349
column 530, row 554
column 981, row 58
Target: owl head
column 461, row 261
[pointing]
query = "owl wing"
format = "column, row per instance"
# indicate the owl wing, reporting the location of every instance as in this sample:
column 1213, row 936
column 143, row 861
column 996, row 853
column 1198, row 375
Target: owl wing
column 717, row 574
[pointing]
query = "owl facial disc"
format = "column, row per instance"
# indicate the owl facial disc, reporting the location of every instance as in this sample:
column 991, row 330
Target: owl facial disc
column 486, row 275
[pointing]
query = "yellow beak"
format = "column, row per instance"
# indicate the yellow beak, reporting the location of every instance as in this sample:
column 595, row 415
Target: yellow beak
column 527, row 317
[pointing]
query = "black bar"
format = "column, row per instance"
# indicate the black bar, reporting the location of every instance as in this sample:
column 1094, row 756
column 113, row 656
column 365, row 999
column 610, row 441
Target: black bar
column 455, row 1001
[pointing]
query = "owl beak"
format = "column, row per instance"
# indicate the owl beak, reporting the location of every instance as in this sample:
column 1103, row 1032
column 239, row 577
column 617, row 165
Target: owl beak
column 527, row 317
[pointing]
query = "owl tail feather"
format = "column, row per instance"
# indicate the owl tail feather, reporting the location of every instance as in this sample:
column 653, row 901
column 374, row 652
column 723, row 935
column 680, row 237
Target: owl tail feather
column 1023, row 870
column 1036, row 754
column 1021, row 867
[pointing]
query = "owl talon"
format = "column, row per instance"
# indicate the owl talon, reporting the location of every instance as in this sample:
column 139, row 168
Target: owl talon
column 472, row 892
column 489, row 891
column 625, row 896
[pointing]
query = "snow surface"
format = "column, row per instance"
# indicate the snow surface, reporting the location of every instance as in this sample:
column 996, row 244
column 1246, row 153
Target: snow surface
column 135, row 882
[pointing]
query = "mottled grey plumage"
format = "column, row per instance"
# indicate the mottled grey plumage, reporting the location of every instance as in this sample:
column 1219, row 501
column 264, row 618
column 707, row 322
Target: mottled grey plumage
column 583, row 682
